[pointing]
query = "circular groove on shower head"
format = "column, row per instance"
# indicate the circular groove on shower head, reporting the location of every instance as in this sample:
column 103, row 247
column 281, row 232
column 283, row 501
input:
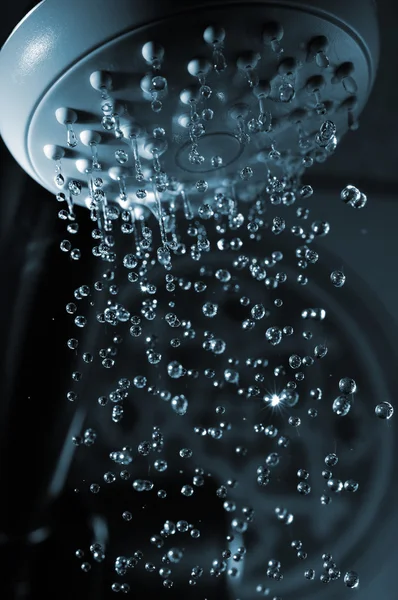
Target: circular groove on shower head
column 145, row 62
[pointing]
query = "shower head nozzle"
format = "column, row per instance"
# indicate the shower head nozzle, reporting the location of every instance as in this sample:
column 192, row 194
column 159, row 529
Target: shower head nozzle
column 227, row 89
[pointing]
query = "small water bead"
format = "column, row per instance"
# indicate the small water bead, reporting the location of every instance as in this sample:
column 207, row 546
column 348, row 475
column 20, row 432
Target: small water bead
column 335, row 485
column 341, row 406
column 303, row 488
column 296, row 544
column 309, row 574
column 164, row 256
column 246, row 173
column 311, row 256
column 65, row 246
column 216, row 162
column 239, row 526
column 325, row 500
column 71, row 308
column 306, row 191
column 294, row 421
column 384, row 410
column 231, row 376
column 320, row 228
column 347, row 385
column 337, row 278
column 130, row 261
column 75, row 187
column 272, row 459
column 140, row 381
column 75, row 254
column 303, row 474
column 80, row 321
column 187, row 490
column 286, row 92
column 360, row 203
column 331, row 460
column 202, row 186
column 288, row 198
column 72, row 343
column 179, row 404
column 351, row 485
column 108, row 363
column 223, row 275
column 320, row 351
column 160, row 465
column 205, row 212
column 72, row 228
column 273, row 335
column 175, row 370
column 350, row 194
column 121, row 157
column 295, row 361
column 195, row 534
column 278, row 225
column 284, row 516
column 257, row 312
column 351, row 579
column 186, row 453
column 109, row 477
column 210, row 309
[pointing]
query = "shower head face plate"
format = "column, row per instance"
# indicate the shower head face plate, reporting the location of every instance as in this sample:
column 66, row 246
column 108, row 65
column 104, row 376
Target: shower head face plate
column 229, row 142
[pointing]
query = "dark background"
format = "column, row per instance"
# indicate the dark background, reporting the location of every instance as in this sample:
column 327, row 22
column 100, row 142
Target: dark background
column 37, row 281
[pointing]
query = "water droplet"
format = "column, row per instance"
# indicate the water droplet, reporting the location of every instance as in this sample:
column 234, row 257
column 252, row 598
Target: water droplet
column 360, row 202
column 384, row 410
column 187, row 490
column 75, row 187
column 210, row 309
column 216, row 161
column 347, row 385
column 286, row 92
column 202, row 185
column 273, row 335
column 335, row 485
column 350, row 194
column 246, row 173
column 331, row 460
column 337, row 278
column 351, row 579
column 342, row 406
column 179, row 404
column 121, row 157
column 351, row 485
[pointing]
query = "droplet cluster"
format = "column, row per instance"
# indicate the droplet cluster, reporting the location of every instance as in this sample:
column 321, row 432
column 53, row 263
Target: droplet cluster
column 168, row 272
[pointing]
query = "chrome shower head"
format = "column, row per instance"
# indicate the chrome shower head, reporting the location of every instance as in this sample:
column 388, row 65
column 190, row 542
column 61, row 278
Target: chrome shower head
column 181, row 97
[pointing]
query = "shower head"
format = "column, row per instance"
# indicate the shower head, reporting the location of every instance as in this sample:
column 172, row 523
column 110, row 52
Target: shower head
column 181, row 97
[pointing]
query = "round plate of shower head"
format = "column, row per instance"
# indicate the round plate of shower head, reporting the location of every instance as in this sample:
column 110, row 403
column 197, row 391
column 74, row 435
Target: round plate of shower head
column 191, row 96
